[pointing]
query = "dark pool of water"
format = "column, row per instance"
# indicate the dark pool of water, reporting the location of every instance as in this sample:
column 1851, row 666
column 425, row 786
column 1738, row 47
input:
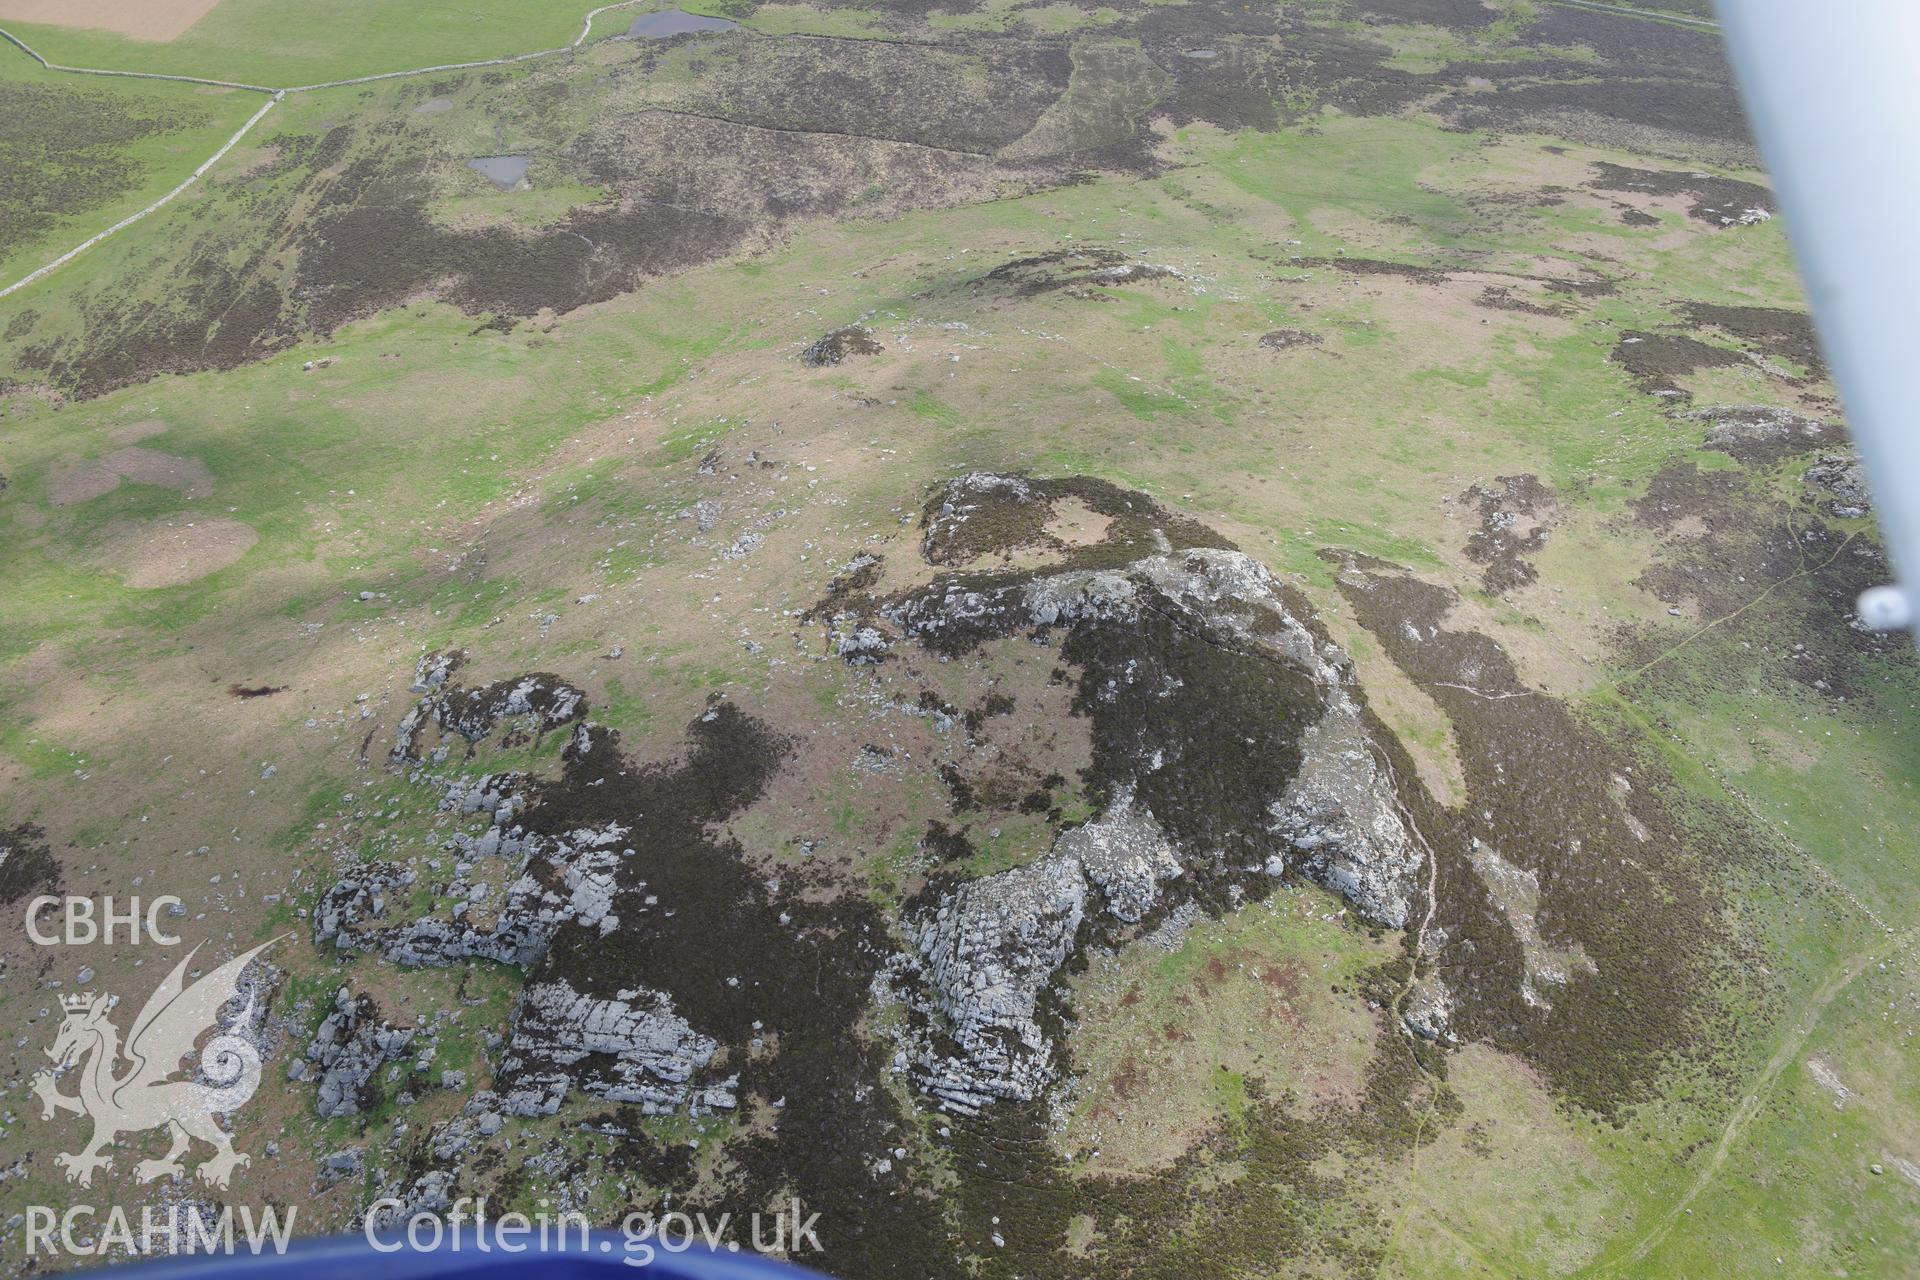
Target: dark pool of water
column 505, row 171
column 675, row 22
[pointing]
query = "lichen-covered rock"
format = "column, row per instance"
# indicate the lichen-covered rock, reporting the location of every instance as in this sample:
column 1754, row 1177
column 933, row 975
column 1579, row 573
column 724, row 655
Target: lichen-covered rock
column 1429, row 1010
column 632, row 1048
column 987, row 953
column 542, row 701
column 1126, row 854
column 552, row 881
column 347, row 1049
column 1340, row 814
column 1845, row 483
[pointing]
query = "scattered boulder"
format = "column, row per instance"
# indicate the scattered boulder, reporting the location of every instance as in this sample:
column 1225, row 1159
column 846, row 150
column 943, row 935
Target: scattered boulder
column 1757, row 433
column 851, row 340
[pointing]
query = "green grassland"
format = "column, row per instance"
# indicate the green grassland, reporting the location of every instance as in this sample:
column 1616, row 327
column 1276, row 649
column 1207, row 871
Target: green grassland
column 522, row 492
column 82, row 154
column 280, row 44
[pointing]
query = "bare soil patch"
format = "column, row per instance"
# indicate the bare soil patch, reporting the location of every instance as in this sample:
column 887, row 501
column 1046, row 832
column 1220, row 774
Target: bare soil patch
column 73, row 481
column 175, row 551
column 134, row 432
column 157, row 20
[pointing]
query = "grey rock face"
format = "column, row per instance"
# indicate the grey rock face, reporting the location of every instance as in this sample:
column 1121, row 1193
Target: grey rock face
column 987, row 953
column 1839, row 474
column 552, row 881
column 432, row 671
column 1338, row 810
column 861, row 646
column 633, row 1048
column 346, row 1050
column 1125, row 852
column 1340, row 815
column 1429, row 1010
column 345, row 1163
column 545, row 702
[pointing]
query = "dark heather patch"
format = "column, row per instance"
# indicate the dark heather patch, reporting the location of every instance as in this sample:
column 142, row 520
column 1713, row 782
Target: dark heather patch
column 667, row 1168
column 716, row 944
column 1745, row 541
column 962, row 522
column 1631, row 42
column 1375, row 267
column 366, row 258
column 545, row 697
column 1268, row 67
column 1541, row 791
column 946, row 844
column 1513, row 525
column 1500, row 297
column 340, row 226
column 1160, row 689
column 1700, row 109
column 65, row 151
column 1654, row 360
column 856, row 577
column 1288, row 339
column 255, row 690
column 853, row 340
column 1758, row 435
column 1719, row 202
column 26, row 865
column 1773, row 331
column 961, row 94
column 1469, row 14
column 1071, row 271
column 1634, row 218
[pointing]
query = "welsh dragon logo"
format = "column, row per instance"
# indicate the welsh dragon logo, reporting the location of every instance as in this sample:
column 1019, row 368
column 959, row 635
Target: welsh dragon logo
column 142, row 1096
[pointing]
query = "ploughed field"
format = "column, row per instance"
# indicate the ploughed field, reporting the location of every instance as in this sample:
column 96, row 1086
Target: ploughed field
column 1164, row 639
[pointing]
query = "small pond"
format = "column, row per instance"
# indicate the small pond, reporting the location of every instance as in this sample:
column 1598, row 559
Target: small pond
column 675, row 22
column 505, row 171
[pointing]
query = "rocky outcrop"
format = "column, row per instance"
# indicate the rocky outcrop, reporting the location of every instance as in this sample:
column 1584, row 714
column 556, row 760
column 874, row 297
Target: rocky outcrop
column 541, row 702
column 1840, row 478
column 1340, row 816
column 1126, row 854
column 1755, row 433
column 349, row 1047
column 536, row 884
column 632, row 1048
column 1171, row 644
column 986, row 954
column 1334, row 812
